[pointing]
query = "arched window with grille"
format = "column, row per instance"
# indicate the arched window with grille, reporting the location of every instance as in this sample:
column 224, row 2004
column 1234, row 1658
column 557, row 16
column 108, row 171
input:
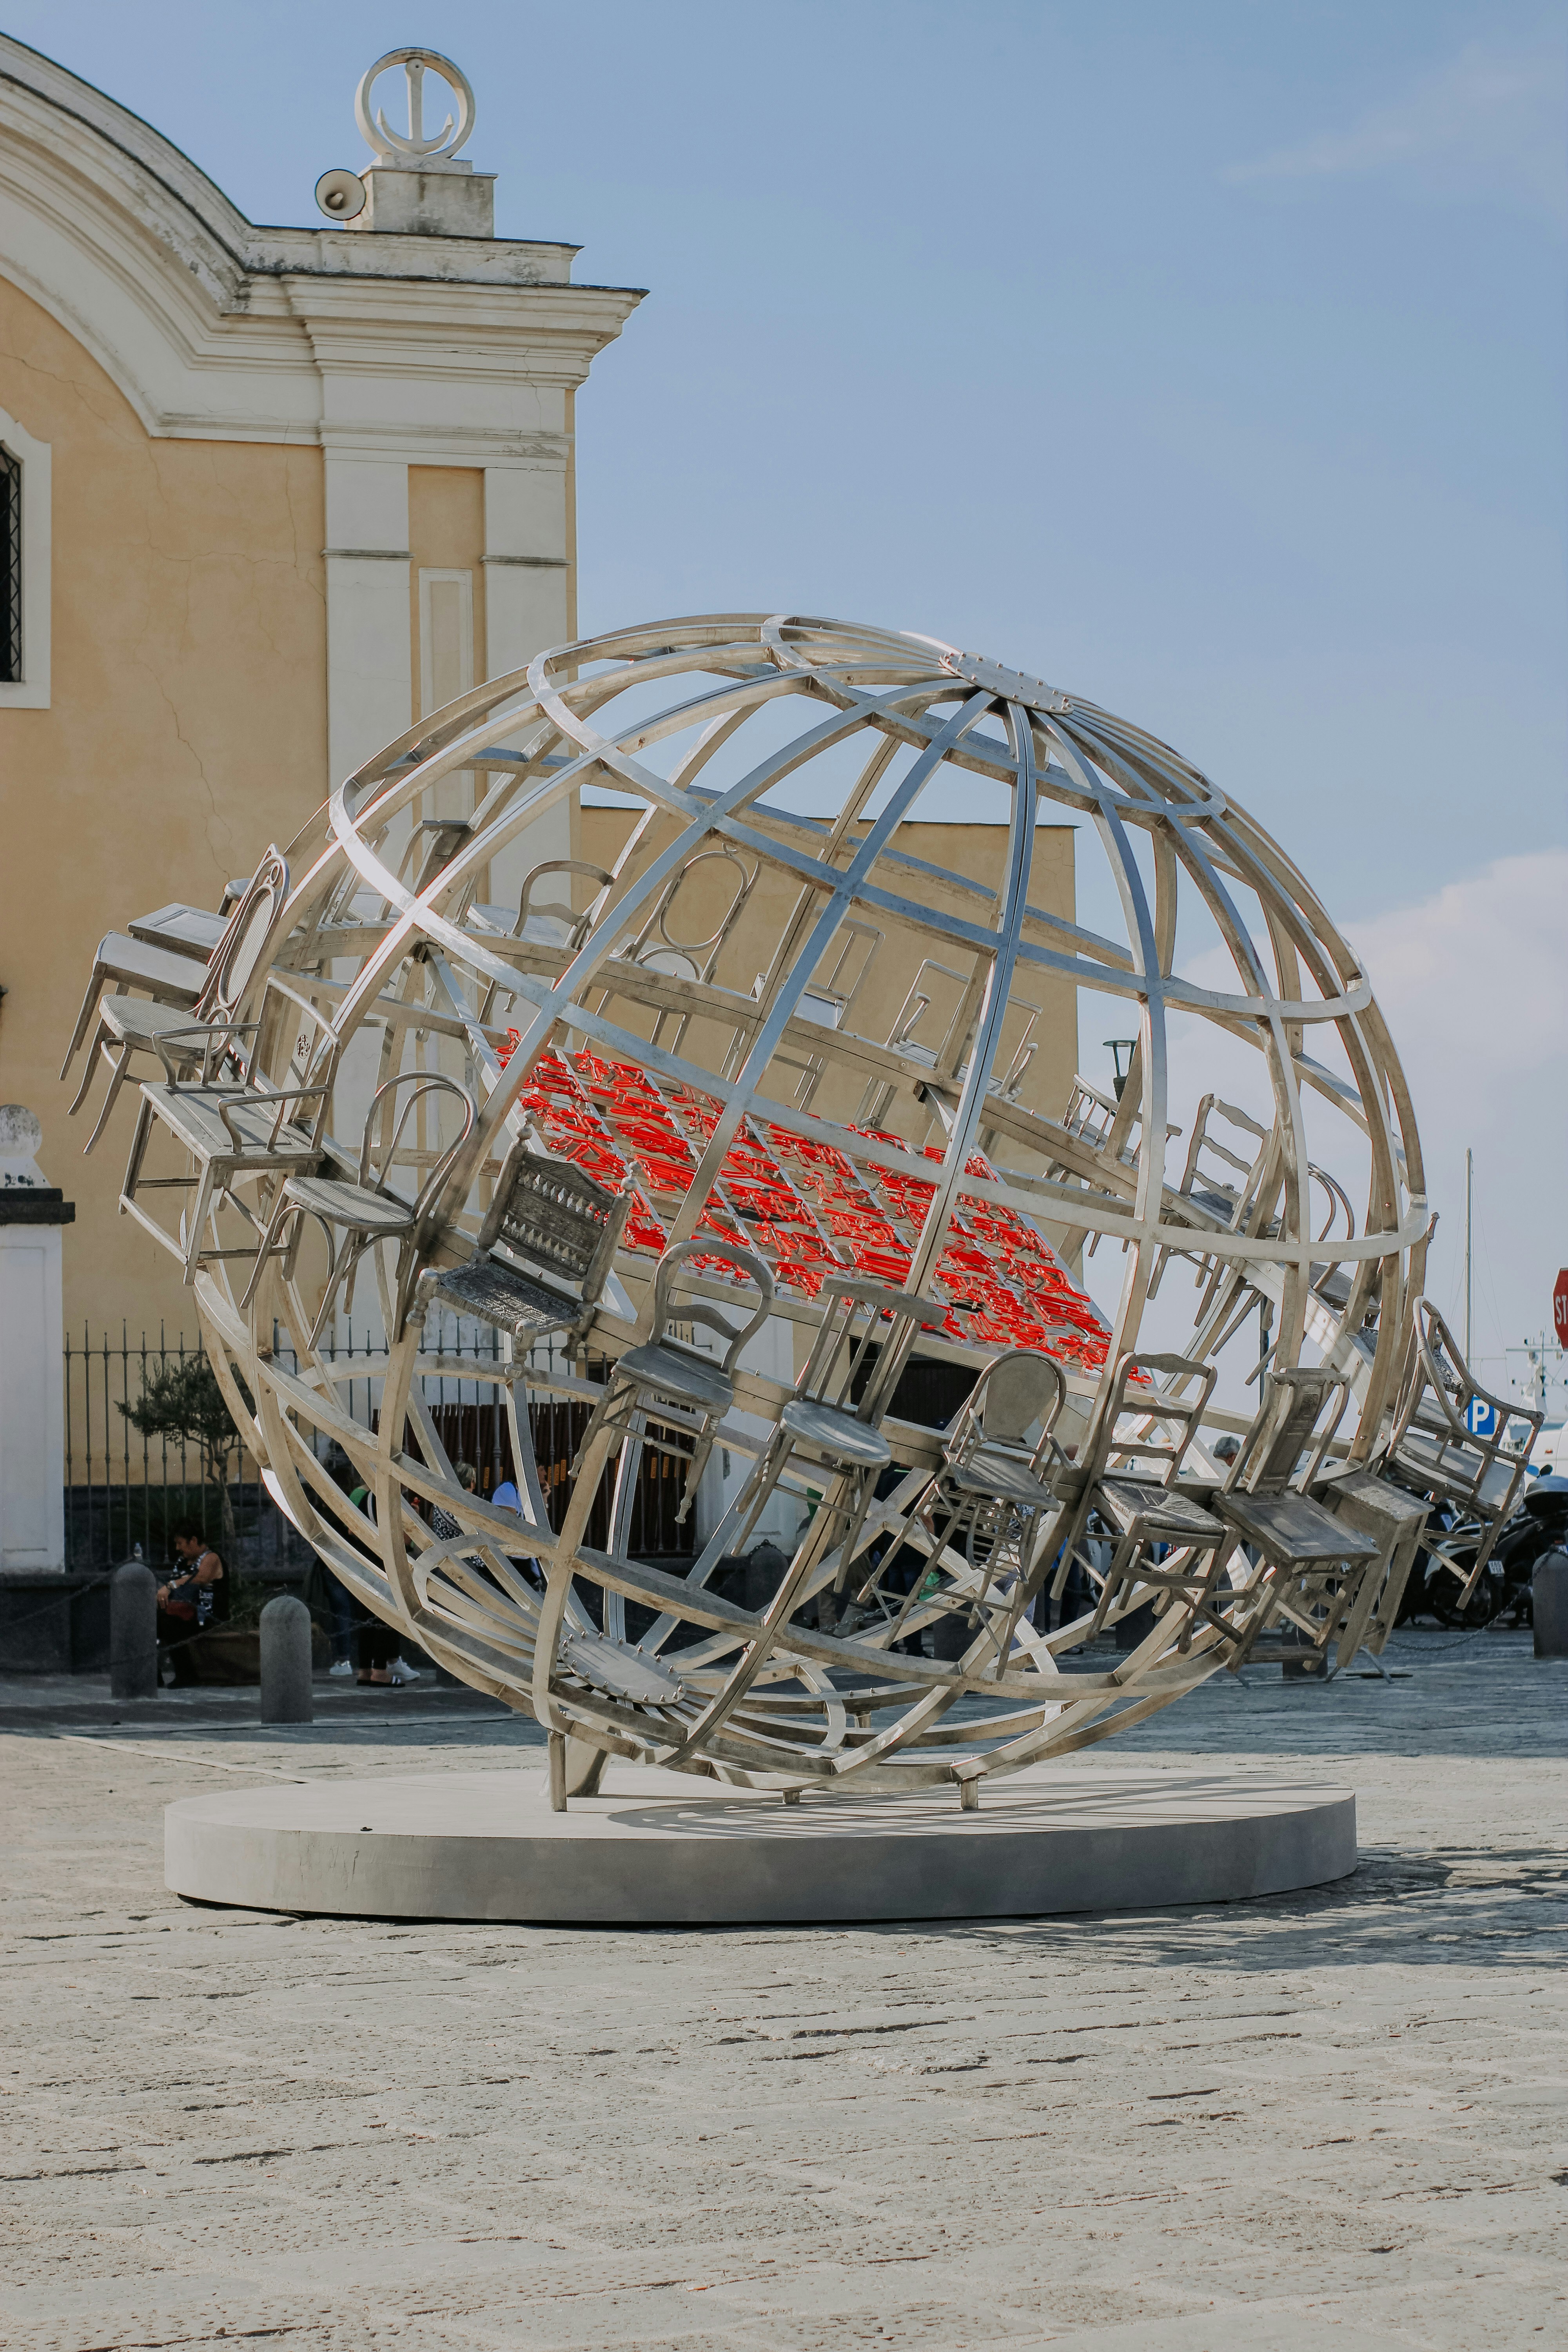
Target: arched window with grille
column 24, row 554
column 10, row 568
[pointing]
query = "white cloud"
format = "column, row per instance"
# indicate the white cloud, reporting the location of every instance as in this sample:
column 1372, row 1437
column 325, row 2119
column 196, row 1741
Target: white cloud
column 1474, row 985
column 1487, row 123
column 1473, row 982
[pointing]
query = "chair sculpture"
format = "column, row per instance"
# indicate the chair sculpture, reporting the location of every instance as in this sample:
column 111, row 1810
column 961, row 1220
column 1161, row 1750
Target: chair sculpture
column 656, row 1103
column 1163, row 1542
column 358, row 1214
column 205, row 1034
column 552, row 923
column 830, row 1424
column 1309, row 1564
column 994, row 1495
column 670, row 1385
column 1434, row 1449
column 237, row 1130
column 1396, row 1521
column 544, row 1254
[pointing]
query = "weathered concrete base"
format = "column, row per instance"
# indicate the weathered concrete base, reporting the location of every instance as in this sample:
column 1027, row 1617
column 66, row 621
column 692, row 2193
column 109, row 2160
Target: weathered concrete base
column 661, row 1848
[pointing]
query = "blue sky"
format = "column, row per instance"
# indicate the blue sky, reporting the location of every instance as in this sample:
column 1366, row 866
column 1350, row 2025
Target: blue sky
column 1208, row 360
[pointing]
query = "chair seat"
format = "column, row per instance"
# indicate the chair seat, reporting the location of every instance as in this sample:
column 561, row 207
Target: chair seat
column 178, row 979
column 1166, row 1516
column 1435, row 1462
column 181, row 929
column 990, row 1471
column 837, row 1434
column 1292, row 1530
column 134, row 1018
column 350, row 1204
column 678, row 1372
column 191, row 1114
column 509, row 1301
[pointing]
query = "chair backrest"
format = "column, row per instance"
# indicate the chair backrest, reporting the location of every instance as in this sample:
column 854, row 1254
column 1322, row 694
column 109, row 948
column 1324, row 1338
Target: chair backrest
column 1164, row 1426
column 574, row 927
column 552, row 1212
column 430, row 848
column 1014, row 1393
column 708, row 1311
column 653, row 945
column 1285, row 1427
column 1439, row 1373
column 844, row 1360
column 373, row 1164
column 1213, row 1186
column 246, row 937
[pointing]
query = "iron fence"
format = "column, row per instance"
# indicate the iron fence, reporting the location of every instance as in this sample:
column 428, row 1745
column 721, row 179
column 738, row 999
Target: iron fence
column 124, row 1488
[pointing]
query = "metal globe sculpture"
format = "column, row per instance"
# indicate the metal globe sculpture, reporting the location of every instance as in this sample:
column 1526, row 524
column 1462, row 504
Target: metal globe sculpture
column 750, row 1148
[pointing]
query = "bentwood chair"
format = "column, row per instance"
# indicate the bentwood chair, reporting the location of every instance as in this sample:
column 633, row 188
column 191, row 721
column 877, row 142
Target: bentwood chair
column 994, row 1492
column 357, row 1214
column 666, row 1383
column 828, row 1435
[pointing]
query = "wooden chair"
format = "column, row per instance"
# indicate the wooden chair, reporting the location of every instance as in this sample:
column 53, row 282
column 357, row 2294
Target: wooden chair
column 1433, row 1450
column 363, row 1210
column 544, row 1254
column 1310, row 1563
column 671, row 1384
column 203, row 1034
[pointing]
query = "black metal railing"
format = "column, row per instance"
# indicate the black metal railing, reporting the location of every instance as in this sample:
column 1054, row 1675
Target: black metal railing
column 124, row 1488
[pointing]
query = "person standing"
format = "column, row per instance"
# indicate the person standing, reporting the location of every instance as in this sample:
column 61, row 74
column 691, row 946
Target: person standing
column 377, row 1646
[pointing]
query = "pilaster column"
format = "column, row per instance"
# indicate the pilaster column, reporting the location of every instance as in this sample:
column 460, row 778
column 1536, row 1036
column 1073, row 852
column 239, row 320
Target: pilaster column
column 370, row 680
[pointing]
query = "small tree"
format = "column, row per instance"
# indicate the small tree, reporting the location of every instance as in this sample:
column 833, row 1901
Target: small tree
column 185, row 1401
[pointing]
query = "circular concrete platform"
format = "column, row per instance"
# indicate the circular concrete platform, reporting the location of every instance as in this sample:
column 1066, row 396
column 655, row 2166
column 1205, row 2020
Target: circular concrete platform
column 661, row 1848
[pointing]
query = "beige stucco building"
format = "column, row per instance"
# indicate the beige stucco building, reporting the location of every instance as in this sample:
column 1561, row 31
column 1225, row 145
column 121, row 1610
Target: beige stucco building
column 273, row 493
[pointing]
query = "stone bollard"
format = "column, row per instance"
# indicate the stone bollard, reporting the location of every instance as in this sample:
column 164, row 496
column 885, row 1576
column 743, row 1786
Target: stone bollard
column 1548, row 1586
column 134, row 1632
column 286, row 1662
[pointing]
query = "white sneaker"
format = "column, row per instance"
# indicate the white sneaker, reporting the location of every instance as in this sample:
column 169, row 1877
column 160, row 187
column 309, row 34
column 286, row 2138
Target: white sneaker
column 343, row 1666
column 402, row 1672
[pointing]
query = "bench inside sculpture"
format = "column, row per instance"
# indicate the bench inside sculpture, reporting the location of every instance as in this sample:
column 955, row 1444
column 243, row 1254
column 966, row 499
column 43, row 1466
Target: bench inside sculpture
column 750, row 1139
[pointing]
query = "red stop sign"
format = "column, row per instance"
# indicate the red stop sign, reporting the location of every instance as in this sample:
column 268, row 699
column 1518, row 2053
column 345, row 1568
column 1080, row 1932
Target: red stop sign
column 1560, row 1307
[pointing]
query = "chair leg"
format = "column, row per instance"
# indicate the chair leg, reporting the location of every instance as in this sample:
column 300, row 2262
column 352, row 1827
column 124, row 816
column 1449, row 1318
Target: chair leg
column 274, row 1224
column 88, row 1005
column 117, row 1080
column 700, row 1450
column 197, row 1218
column 335, row 1273
column 89, row 1074
column 139, row 1139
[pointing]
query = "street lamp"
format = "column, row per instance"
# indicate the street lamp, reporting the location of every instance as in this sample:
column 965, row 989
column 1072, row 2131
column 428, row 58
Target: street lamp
column 1119, row 1045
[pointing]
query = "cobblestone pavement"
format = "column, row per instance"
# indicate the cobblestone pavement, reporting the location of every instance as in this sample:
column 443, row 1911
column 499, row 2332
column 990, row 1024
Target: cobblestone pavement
column 1334, row 2120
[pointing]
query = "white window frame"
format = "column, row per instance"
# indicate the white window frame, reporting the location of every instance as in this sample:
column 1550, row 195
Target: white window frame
column 31, row 690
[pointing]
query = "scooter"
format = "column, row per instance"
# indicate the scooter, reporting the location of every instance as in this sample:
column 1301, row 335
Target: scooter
column 1539, row 1525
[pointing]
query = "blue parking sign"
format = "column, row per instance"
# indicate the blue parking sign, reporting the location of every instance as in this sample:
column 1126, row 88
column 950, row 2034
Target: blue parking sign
column 1481, row 1418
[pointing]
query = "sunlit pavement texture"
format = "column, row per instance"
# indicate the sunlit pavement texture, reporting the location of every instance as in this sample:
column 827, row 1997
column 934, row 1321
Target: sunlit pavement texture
column 1336, row 2119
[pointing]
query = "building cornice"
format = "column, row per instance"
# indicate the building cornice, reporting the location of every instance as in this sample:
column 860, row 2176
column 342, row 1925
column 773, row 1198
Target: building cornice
column 216, row 329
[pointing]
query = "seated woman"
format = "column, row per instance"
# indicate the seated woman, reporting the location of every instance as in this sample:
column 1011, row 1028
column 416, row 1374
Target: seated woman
column 185, row 1602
